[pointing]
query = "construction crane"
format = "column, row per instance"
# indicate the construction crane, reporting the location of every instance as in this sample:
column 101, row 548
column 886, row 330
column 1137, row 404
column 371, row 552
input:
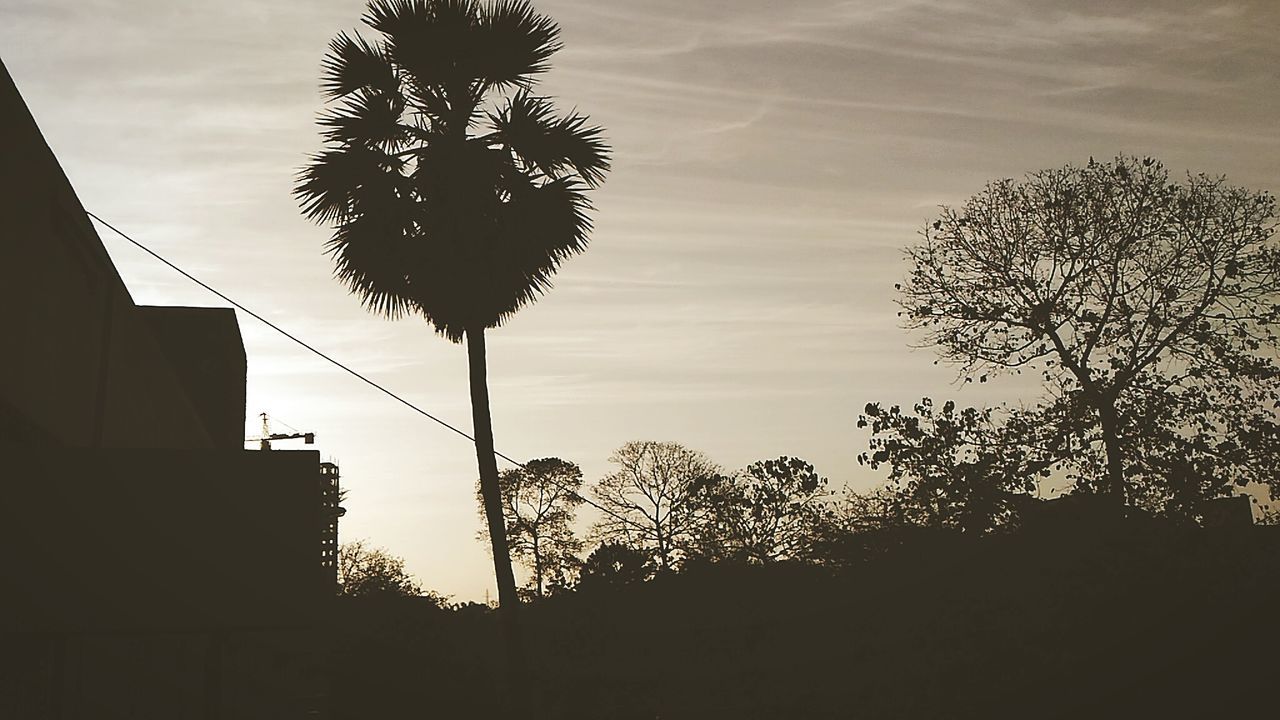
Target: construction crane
column 264, row 442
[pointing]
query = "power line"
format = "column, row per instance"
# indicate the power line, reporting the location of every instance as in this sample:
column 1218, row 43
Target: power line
column 287, row 334
column 341, row 366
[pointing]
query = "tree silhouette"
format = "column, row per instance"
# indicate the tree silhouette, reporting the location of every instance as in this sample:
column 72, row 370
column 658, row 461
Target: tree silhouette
column 613, row 564
column 953, row 467
column 539, row 502
column 365, row 570
column 453, row 192
column 768, row 511
column 656, row 499
column 1149, row 307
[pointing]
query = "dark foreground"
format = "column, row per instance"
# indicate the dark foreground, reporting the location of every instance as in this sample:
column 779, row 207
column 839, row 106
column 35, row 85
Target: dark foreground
column 1140, row 622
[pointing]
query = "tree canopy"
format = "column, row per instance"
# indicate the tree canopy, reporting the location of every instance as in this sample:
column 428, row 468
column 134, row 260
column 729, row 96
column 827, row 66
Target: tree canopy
column 1148, row 305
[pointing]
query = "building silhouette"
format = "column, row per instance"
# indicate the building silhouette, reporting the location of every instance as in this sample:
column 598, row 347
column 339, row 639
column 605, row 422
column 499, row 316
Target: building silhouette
column 157, row 568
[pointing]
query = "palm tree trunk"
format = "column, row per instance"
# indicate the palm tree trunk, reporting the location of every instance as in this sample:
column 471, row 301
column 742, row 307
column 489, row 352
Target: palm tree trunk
column 508, row 601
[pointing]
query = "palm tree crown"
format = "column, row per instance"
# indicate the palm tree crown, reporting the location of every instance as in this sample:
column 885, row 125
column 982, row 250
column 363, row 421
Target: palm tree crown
column 452, row 189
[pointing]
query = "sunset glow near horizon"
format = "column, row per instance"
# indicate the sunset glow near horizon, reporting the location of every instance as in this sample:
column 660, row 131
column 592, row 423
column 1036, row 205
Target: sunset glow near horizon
column 772, row 161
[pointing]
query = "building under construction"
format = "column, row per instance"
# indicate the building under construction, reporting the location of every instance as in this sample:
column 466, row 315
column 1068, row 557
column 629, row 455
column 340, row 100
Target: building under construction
column 330, row 496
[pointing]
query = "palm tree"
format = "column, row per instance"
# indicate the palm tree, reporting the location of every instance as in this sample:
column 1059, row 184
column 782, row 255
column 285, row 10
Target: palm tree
column 454, row 192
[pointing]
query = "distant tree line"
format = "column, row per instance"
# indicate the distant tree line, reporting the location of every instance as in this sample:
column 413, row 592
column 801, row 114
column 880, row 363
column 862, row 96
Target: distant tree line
column 1148, row 308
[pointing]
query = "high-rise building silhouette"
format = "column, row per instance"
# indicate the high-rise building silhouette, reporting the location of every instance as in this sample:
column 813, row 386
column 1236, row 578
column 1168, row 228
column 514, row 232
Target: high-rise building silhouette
column 331, row 493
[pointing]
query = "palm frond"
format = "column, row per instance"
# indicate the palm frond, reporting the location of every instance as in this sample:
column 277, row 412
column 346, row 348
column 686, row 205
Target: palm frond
column 352, row 64
column 330, row 186
column 583, row 147
column 529, row 127
column 432, row 40
column 482, row 278
column 366, row 119
column 370, row 258
column 389, row 16
column 557, row 217
column 540, row 228
column 516, row 42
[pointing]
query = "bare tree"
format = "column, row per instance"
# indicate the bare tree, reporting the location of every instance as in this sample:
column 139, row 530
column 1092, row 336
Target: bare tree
column 655, row 500
column 1149, row 307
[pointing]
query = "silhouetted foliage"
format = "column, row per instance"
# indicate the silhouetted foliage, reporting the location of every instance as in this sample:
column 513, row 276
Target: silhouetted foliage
column 951, row 467
column 364, row 570
column 656, row 499
column 539, row 502
column 1148, row 306
column 857, row 526
column 876, row 508
column 454, row 192
column 613, row 564
column 768, row 511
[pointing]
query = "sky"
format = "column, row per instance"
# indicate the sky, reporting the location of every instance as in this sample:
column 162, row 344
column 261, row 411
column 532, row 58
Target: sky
column 772, row 161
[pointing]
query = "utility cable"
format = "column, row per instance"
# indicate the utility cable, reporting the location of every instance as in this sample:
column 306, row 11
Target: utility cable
column 287, row 334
